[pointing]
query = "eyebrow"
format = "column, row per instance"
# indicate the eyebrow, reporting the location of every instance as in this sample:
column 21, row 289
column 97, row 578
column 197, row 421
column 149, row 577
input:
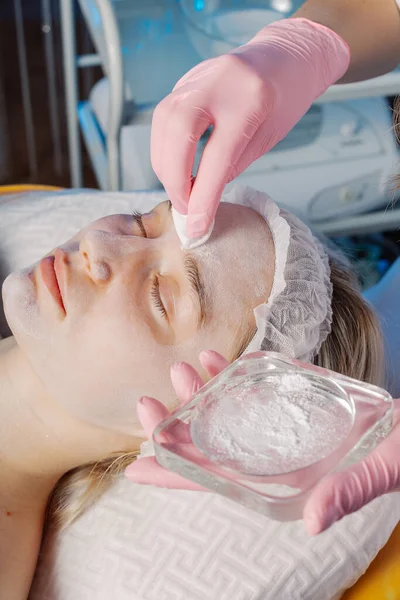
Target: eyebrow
column 197, row 285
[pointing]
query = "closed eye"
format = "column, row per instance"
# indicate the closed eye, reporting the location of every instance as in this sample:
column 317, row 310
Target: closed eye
column 155, row 294
column 137, row 217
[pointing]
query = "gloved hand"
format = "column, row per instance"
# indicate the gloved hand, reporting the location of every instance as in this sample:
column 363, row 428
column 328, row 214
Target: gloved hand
column 252, row 97
column 379, row 473
column 186, row 381
column 336, row 496
column 343, row 493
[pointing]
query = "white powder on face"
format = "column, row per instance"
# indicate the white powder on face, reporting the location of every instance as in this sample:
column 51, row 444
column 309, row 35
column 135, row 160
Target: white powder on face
column 276, row 425
column 239, row 231
column 100, row 270
column 20, row 303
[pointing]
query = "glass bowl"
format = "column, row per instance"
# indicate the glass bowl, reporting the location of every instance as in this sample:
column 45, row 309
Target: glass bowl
column 215, row 27
column 268, row 429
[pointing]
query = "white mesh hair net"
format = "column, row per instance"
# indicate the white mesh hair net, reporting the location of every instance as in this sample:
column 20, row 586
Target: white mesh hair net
column 297, row 317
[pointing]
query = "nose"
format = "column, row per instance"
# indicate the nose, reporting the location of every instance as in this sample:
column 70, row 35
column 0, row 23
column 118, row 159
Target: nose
column 103, row 252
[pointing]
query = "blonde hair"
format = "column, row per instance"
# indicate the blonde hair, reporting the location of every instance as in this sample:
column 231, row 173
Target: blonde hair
column 354, row 348
column 355, row 344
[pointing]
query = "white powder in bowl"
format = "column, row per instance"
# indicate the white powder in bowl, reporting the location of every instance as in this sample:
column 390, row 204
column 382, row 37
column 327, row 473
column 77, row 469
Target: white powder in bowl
column 272, row 426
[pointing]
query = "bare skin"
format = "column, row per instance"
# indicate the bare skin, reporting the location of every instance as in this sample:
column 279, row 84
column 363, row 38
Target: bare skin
column 370, row 27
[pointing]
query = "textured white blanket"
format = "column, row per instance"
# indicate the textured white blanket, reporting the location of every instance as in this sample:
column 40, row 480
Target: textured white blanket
column 144, row 543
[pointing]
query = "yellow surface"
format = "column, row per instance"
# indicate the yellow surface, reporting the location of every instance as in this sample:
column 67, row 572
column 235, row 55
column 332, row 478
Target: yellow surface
column 18, row 189
column 382, row 579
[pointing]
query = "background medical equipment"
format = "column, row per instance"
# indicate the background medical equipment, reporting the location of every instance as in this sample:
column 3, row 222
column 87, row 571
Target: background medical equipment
column 267, row 429
column 324, row 167
column 337, row 161
column 4, row 149
column 137, row 43
column 217, row 26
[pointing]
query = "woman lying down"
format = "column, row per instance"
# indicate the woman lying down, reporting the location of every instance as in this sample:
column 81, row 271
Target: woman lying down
column 99, row 322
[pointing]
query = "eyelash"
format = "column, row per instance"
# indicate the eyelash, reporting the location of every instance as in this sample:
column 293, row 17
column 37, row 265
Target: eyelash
column 155, row 287
column 137, row 217
column 155, row 294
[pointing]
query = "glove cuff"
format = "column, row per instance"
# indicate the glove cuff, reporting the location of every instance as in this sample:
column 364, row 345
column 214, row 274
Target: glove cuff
column 319, row 48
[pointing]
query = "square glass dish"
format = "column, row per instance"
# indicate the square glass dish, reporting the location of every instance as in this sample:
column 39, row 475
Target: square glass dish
column 268, row 429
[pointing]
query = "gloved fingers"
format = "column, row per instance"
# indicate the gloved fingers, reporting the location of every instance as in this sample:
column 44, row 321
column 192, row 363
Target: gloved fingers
column 151, row 412
column 147, row 471
column 178, row 124
column 264, row 139
column 186, row 381
column 343, row 493
column 213, row 362
column 157, row 137
column 219, row 164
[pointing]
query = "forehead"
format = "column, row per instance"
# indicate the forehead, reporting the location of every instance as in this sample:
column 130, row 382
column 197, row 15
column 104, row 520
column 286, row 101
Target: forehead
column 238, row 257
column 239, row 226
column 111, row 223
column 240, row 236
column 238, row 261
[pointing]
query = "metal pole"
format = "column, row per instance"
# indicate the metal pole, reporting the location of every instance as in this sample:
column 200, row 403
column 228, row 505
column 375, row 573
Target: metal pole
column 71, row 91
column 47, row 28
column 4, row 132
column 384, row 220
column 87, row 74
column 88, row 60
column 116, row 96
column 26, row 92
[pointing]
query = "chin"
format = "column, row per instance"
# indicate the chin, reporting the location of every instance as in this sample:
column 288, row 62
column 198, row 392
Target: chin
column 20, row 304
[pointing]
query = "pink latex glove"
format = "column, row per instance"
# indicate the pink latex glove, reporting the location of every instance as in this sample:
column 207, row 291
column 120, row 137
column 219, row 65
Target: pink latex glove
column 343, row 493
column 151, row 412
column 336, row 496
column 252, row 96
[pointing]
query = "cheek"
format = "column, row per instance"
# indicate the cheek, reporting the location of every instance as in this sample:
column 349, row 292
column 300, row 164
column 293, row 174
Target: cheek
column 98, row 369
column 20, row 305
column 221, row 341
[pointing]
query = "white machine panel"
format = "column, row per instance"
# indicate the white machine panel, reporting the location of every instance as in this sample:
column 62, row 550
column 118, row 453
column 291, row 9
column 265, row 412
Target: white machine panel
column 337, row 161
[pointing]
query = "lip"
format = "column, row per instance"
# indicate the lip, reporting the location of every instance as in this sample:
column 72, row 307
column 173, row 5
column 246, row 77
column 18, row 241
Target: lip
column 51, row 268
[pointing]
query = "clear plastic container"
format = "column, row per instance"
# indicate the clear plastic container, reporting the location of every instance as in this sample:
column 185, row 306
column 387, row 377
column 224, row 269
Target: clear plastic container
column 217, row 26
column 266, row 430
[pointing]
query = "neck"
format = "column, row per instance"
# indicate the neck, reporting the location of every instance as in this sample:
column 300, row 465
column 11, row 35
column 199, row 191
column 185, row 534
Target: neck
column 39, row 442
column 28, row 470
column 24, row 490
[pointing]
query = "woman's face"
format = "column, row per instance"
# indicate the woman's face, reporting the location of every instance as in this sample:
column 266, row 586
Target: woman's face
column 103, row 317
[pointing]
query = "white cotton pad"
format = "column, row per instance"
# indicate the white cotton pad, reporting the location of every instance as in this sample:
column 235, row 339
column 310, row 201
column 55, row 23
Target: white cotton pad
column 180, row 226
